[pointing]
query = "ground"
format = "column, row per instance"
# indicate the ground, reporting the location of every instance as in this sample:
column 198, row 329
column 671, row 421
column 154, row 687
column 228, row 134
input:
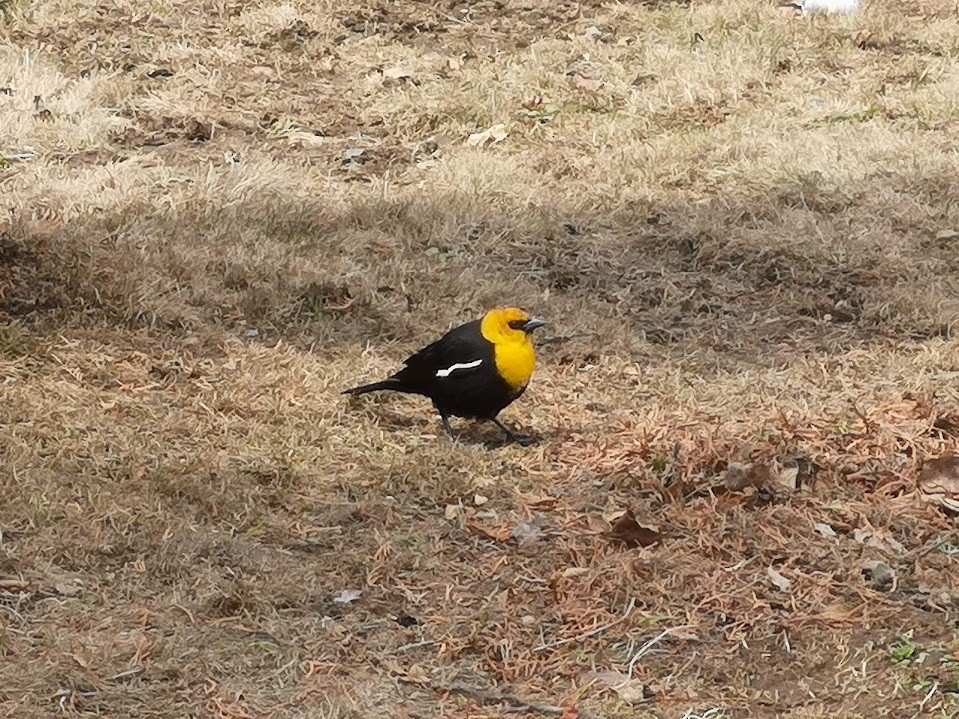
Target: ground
column 742, row 225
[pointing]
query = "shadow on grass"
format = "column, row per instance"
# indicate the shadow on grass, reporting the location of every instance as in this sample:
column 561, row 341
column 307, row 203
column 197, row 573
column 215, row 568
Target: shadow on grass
column 800, row 270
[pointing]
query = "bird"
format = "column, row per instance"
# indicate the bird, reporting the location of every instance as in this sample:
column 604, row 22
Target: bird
column 474, row 371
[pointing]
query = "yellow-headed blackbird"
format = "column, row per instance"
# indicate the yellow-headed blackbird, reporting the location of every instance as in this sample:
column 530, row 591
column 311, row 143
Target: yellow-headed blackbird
column 473, row 371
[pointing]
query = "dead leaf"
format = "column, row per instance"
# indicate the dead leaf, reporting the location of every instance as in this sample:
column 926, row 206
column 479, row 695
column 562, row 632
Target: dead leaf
column 347, row 596
column 67, row 589
column 571, row 572
column 397, row 73
column 947, row 235
column 861, row 535
column 417, row 675
column 497, row 535
column 632, row 691
column 882, row 574
column 740, row 475
column 863, row 38
column 788, row 477
column 824, row 529
column 607, row 678
column 778, row 580
column 452, row 511
column 628, row 531
column 879, row 541
column 940, row 476
column 525, row 531
column 479, row 500
column 497, row 133
column 587, row 84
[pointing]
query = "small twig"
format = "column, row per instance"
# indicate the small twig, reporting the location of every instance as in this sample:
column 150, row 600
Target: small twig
column 935, row 686
column 591, row 633
column 416, row 645
column 127, row 673
column 487, row 697
column 650, row 644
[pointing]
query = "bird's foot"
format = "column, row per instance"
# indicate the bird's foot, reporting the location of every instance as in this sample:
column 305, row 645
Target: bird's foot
column 523, row 440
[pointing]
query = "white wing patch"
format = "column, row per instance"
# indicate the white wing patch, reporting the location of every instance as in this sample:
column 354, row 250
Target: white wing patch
column 459, row 365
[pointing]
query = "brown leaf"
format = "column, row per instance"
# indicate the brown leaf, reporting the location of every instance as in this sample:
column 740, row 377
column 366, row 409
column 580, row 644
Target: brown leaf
column 497, row 535
column 587, row 84
column 417, row 674
column 939, row 481
column 778, row 580
column 940, row 476
column 632, row 691
column 740, row 476
column 396, row 73
column 628, row 531
column 497, row 133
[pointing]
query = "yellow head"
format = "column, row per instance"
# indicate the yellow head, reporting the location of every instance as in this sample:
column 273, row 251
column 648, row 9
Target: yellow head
column 509, row 329
column 505, row 325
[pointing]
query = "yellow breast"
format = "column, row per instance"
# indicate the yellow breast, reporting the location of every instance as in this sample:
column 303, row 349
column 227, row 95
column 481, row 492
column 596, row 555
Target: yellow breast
column 515, row 362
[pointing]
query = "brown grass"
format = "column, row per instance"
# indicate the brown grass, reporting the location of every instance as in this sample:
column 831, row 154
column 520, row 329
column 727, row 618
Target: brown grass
column 750, row 238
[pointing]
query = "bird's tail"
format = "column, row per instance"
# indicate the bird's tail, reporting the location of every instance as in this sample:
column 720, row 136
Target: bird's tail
column 391, row 383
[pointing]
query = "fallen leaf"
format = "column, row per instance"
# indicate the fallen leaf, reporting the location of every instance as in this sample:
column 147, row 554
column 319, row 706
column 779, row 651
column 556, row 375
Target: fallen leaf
column 525, row 531
column 861, row 535
column 347, row 596
column 479, row 500
column 628, row 531
column 879, row 541
column 778, row 580
column 862, row 39
column 882, row 574
column 417, row 675
column 587, row 84
column 452, row 511
column 824, row 529
column 497, row 133
column 571, row 572
column 397, row 73
column 940, row 476
column 741, row 475
column 497, row 535
column 67, row 589
column 607, row 678
column 789, row 477
column 947, row 235
column 632, row 691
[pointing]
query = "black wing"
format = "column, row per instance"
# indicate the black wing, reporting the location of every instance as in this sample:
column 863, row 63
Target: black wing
column 456, row 354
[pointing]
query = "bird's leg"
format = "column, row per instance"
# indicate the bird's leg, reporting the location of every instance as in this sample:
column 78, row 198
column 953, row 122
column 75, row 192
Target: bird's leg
column 446, row 425
column 520, row 439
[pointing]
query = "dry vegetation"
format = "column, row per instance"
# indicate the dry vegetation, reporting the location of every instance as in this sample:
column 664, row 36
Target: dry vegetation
column 219, row 214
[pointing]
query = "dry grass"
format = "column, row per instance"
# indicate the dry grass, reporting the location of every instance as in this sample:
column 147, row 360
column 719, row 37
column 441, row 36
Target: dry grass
column 749, row 232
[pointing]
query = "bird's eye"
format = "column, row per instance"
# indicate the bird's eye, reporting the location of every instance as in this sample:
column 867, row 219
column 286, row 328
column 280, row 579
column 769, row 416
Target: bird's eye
column 517, row 324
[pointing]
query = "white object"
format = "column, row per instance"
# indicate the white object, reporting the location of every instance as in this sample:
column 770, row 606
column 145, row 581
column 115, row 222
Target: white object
column 844, row 7
column 459, row 365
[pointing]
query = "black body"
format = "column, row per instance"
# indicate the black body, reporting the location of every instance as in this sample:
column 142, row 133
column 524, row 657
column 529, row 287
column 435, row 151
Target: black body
column 474, row 393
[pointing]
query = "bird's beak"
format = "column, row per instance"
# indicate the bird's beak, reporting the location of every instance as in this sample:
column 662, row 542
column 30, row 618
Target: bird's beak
column 533, row 324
